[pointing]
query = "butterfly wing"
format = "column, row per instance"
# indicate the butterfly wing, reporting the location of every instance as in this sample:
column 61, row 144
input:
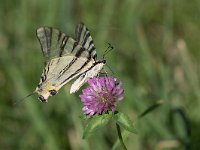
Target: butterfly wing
column 60, row 71
column 66, row 58
column 64, row 69
column 90, row 73
column 55, row 43
column 84, row 38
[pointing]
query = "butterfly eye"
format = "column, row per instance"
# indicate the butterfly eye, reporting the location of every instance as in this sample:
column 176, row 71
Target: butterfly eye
column 53, row 92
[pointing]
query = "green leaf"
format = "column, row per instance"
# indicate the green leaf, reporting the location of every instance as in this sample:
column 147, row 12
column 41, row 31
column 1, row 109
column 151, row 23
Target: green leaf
column 83, row 117
column 95, row 123
column 125, row 122
column 151, row 108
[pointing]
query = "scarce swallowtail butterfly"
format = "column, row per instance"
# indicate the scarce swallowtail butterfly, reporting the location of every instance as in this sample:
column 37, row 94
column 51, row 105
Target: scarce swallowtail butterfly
column 66, row 59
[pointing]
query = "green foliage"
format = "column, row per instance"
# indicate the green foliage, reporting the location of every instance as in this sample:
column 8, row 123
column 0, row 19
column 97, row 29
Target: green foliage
column 95, row 123
column 156, row 55
column 124, row 121
column 150, row 109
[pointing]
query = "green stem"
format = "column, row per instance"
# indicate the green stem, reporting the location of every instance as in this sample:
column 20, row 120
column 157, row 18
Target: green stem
column 120, row 137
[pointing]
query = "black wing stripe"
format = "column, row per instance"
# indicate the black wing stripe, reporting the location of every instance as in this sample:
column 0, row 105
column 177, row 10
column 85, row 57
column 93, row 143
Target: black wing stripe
column 67, row 67
column 91, row 49
column 74, row 46
column 43, row 78
column 62, row 46
column 45, row 72
column 84, row 32
column 91, row 44
column 95, row 56
column 44, row 75
column 96, row 63
column 42, row 40
column 44, row 36
column 79, row 52
column 63, row 43
column 78, row 31
column 86, row 39
column 59, row 36
column 77, row 71
column 92, row 52
column 48, row 35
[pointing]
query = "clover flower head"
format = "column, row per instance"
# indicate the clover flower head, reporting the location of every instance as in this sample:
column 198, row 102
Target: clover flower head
column 101, row 95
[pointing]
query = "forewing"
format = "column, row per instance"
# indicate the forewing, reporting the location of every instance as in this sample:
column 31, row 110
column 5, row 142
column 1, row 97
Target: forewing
column 90, row 73
column 60, row 71
column 84, row 38
column 55, row 43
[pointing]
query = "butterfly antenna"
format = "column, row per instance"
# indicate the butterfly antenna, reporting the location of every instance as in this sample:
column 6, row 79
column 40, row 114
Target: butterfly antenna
column 21, row 100
column 109, row 48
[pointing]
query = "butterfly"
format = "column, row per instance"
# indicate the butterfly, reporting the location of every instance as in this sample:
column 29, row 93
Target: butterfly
column 66, row 59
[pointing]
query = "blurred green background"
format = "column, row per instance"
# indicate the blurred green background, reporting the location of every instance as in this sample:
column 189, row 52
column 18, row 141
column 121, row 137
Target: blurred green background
column 156, row 55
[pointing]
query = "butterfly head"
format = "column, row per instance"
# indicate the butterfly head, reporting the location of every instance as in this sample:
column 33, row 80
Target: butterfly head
column 45, row 91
